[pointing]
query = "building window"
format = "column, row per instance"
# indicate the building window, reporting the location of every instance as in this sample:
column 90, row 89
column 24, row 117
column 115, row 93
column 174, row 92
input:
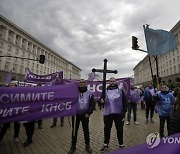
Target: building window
column 17, row 51
column 175, row 70
column 9, row 48
column 15, row 59
column 28, row 63
column 15, row 67
column 1, row 45
column 16, row 42
column 7, row 65
column 174, row 61
column 170, row 71
column 22, row 61
column 23, row 54
column 169, row 54
column 21, row 71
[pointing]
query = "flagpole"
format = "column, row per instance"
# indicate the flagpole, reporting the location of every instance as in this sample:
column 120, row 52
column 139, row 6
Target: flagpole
column 157, row 71
column 150, row 67
column 144, row 27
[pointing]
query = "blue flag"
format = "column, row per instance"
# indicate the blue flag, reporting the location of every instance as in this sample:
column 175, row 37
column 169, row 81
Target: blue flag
column 159, row 41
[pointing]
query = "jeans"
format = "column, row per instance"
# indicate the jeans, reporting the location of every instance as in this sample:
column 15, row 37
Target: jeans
column 132, row 106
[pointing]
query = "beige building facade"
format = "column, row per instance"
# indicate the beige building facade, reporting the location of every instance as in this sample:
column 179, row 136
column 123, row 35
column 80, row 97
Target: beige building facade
column 16, row 42
column 168, row 64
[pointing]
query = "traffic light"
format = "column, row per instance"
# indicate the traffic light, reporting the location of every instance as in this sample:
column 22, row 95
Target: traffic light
column 134, row 43
column 42, row 59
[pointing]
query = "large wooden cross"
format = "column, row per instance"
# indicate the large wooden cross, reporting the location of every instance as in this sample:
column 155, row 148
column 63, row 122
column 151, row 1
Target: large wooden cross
column 104, row 71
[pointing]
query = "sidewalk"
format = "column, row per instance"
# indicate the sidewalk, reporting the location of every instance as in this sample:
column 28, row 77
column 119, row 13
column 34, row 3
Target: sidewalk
column 57, row 140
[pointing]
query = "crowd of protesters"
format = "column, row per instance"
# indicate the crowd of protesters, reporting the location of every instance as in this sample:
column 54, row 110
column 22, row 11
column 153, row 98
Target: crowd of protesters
column 164, row 101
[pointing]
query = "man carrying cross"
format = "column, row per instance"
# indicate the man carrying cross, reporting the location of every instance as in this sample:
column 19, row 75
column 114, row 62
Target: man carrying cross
column 115, row 106
column 114, row 110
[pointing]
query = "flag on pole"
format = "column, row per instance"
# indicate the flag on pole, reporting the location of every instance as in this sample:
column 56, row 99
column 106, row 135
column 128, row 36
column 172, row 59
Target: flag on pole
column 91, row 76
column 8, row 77
column 159, row 41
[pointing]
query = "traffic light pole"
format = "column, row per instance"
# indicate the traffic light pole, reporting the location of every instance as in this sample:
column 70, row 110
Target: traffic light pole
column 20, row 58
column 41, row 56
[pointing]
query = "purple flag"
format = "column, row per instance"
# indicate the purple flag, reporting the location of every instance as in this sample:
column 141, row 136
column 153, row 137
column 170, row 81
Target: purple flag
column 31, row 77
column 91, row 76
column 32, row 103
column 8, row 77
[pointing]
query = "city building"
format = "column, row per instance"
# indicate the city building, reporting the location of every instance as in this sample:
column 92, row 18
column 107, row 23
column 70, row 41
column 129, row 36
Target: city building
column 168, row 64
column 16, row 42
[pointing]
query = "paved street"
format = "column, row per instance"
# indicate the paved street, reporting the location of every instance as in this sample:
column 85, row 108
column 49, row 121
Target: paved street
column 57, row 140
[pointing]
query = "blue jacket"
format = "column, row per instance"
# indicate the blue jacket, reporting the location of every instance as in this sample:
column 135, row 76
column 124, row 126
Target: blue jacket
column 165, row 103
column 148, row 98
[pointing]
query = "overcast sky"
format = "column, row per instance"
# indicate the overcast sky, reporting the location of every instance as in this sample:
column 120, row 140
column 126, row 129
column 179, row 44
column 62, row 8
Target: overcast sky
column 86, row 32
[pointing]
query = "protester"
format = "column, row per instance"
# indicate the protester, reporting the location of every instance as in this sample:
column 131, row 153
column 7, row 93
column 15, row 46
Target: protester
column 29, row 127
column 142, row 98
column 40, row 120
column 165, row 102
column 150, row 103
column 175, row 118
column 132, row 104
column 40, row 124
column 7, row 125
column 86, row 105
column 114, row 110
column 55, row 121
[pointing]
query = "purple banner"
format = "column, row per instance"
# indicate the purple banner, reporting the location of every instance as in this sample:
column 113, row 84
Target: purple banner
column 31, row 77
column 167, row 145
column 96, row 86
column 32, row 103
